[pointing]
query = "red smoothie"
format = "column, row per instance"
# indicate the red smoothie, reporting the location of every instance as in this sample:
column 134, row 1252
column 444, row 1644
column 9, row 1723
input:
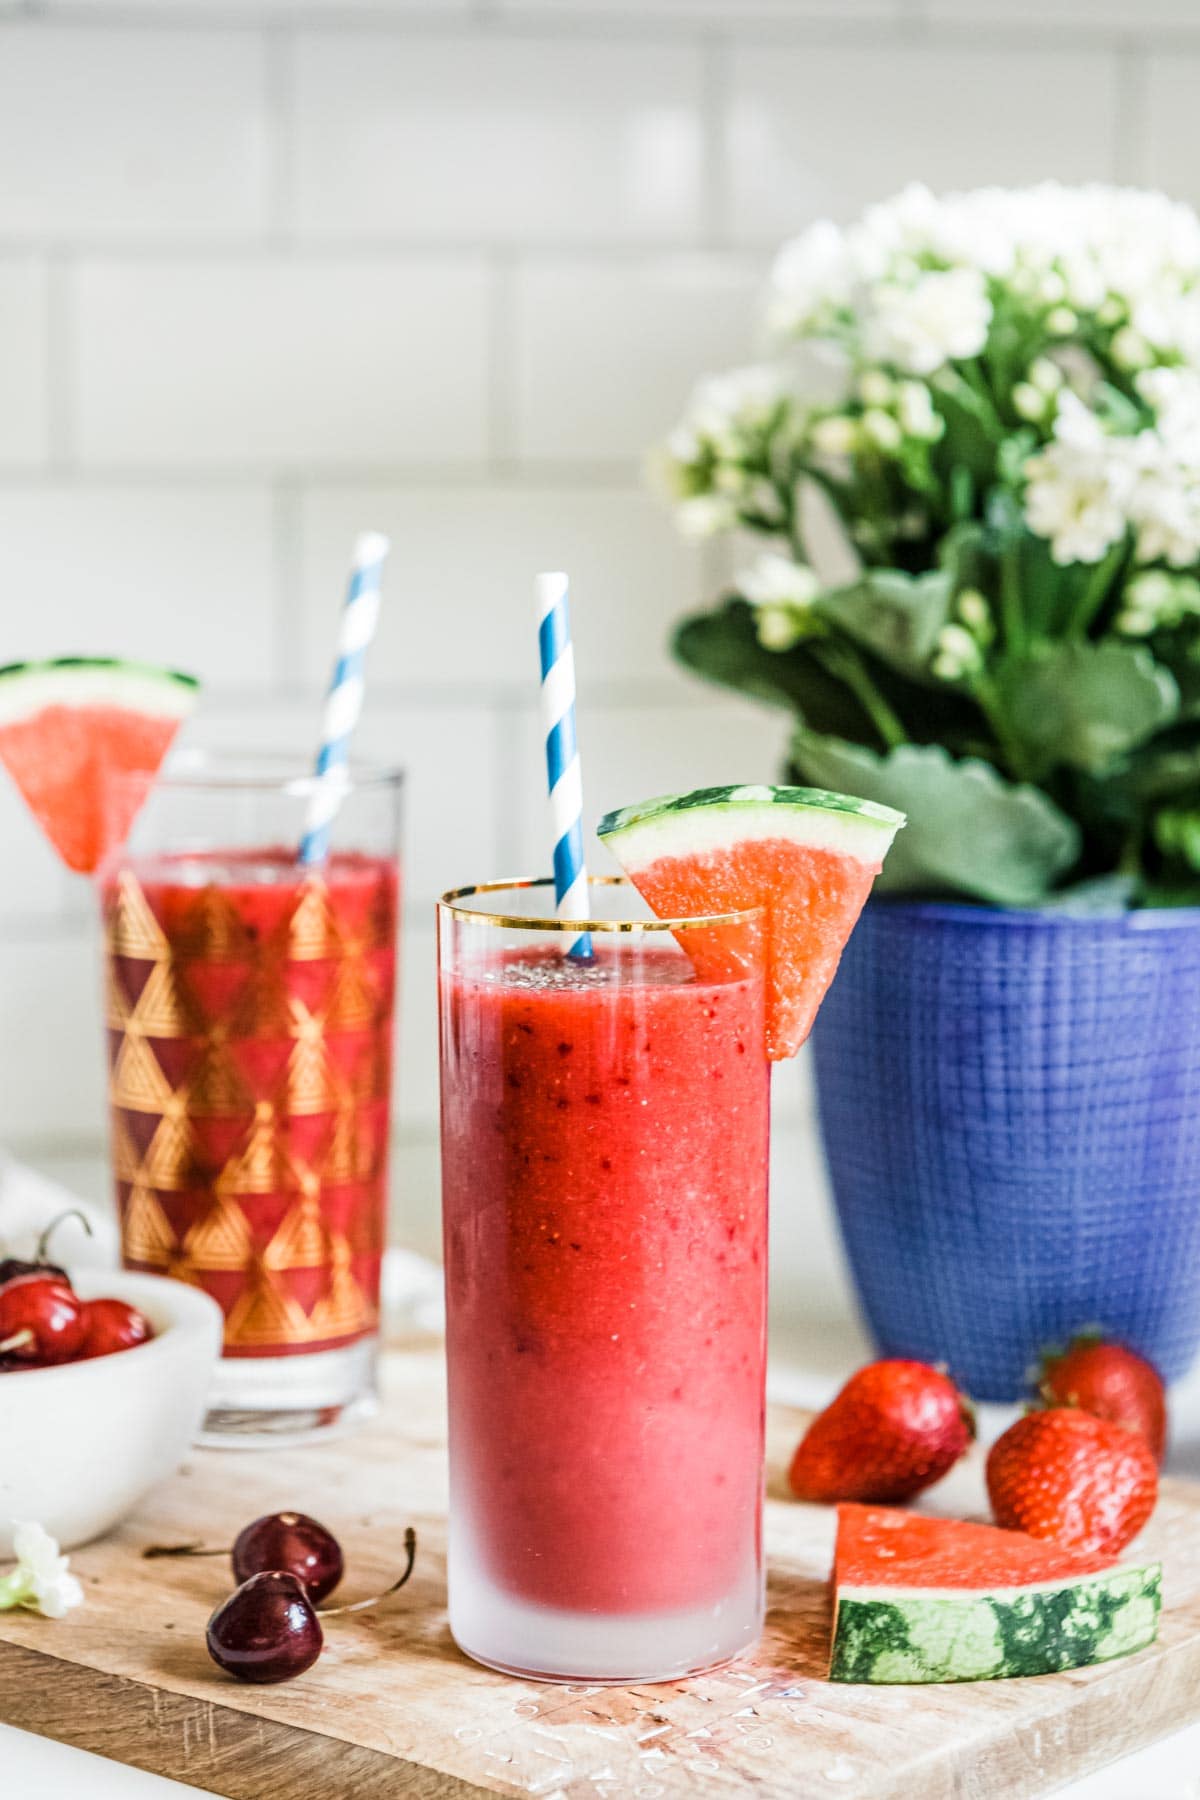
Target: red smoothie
column 604, row 1141
column 249, row 1021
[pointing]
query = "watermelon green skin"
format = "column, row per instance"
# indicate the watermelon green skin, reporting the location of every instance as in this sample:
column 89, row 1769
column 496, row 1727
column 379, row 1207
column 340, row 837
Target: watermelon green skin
column 905, row 1637
column 805, row 858
column 69, row 726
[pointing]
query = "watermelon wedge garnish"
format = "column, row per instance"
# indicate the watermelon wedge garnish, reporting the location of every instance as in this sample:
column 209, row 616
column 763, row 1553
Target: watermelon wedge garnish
column 807, row 857
column 920, row 1599
column 67, row 726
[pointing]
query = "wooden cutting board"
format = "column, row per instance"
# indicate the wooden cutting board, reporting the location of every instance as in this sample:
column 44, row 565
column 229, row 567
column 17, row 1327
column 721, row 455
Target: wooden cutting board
column 393, row 1708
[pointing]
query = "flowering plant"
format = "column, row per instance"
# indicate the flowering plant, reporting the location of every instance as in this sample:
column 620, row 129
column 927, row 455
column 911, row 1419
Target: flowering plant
column 978, row 579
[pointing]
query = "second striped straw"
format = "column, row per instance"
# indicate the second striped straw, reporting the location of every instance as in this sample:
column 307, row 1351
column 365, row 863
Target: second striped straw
column 343, row 703
column 557, row 660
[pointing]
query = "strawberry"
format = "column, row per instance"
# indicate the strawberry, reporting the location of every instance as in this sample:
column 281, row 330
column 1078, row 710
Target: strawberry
column 895, row 1428
column 1110, row 1381
column 1063, row 1474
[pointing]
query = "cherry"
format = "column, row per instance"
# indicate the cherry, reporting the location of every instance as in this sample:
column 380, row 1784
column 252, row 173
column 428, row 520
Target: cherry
column 293, row 1542
column 41, row 1319
column 13, row 1267
column 268, row 1630
column 112, row 1325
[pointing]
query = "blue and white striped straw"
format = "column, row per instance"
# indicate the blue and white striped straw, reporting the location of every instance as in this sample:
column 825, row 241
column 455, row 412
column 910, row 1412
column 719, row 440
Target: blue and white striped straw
column 562, row 752
column 343, row 703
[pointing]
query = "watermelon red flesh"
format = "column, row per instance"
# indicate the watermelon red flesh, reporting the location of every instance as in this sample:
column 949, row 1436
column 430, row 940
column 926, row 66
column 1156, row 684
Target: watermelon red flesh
column 878, row 1546
column 812, row 897
column 62, row 758
column 931, row 1600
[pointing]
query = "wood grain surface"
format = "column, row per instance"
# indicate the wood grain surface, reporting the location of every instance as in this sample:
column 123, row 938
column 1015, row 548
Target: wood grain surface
column 392, row 1708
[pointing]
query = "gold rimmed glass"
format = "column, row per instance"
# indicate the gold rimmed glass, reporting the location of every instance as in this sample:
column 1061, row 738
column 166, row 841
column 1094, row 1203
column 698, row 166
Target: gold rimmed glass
column 604, row 1170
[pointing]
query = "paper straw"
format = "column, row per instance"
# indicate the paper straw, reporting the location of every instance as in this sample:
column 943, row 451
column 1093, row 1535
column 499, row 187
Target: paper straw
column 562, row 752
column 343, row 703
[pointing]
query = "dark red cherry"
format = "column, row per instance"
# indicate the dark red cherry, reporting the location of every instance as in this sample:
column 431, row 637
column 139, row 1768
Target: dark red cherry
column 267, row 1631
column 41, row 1320
column 111, row 1325
column 11, row 1267
column 291, row 1541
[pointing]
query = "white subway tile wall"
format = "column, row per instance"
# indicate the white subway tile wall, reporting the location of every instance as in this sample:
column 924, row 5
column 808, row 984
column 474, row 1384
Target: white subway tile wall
column 275, row 270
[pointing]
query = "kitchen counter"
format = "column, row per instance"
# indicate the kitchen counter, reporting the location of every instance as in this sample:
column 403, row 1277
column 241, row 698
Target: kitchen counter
column 816, row 1342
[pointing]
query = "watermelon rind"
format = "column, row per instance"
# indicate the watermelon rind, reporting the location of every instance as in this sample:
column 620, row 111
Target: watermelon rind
column 27, row 688
column 711, row 818
column 903, row 1636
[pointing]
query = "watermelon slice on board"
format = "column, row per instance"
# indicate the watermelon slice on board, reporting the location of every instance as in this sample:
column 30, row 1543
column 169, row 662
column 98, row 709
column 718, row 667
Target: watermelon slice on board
column 920, row 1599
column 67, row 726
column 807, row 857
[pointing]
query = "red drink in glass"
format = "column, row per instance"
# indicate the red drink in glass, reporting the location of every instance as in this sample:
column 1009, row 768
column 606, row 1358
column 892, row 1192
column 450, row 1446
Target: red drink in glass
column 249, row 1010
column 604, row 1134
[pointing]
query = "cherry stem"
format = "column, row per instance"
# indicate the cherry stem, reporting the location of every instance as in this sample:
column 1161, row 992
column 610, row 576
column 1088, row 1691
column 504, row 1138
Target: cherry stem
column 18, row 1341
column 153, row 1550
column 410, row 1550
column 43, row 1243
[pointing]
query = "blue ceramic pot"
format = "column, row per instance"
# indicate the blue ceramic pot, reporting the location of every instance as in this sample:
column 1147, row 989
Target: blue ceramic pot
column 1010, row 1105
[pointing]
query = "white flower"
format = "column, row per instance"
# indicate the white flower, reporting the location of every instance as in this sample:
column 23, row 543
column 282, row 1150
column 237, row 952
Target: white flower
column 1079, row 486
column 725, row 408
column 813, row 274
column 880, row 429
column 1029, row 402
column 1130, row 349
column 943, row 316
column 705, row 515
column 974, row 610
column 1045, row 375
column 875, row 388
column 917, row 414
column 836, row 435
column 958, row 653
column 41, row 1581
column 773, row 580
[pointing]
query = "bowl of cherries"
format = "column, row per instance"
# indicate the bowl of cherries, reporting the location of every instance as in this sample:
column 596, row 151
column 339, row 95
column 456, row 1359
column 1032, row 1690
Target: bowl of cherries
column 103, row 1382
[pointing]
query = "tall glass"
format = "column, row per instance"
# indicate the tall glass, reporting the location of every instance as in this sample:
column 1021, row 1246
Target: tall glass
column 604, row 1182
column 249, row 1008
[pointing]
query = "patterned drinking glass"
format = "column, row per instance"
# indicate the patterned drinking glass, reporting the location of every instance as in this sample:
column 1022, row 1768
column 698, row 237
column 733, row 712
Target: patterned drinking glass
column 249, row 1006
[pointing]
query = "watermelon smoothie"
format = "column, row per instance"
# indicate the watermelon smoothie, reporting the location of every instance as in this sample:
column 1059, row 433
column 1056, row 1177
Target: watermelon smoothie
column 604, row 1140
column 249, row 1004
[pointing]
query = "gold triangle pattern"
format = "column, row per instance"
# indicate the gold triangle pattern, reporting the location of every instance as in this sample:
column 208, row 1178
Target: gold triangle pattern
column 161, row 1009
column 145, row 1229
column 170, row 1161
column 116, row 1001
column 126, row 1159
column 221, row 1239
column 343, row 1309
column 312, row 933
column 213, row 929
column 355, row 1000
column 309, row 1084
column 263, row 1315
column 133, row 929
column 137, row 1079
column 302, row 1241
column 216, row 1090
column 263, row 1166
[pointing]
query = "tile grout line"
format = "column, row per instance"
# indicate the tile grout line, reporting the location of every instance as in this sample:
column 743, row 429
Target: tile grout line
column 61, row 399
column 278, row 76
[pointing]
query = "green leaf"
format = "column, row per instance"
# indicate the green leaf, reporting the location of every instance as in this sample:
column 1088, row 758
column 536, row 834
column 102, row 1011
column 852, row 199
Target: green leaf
column 1084, row 704
column 723, row 646
column 896, row 616
column 970, row 832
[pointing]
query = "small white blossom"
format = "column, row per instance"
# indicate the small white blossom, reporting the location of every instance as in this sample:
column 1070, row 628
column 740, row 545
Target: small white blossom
column 1045, row 375
column 836, row 435
column 918, row 417
column 1061, row 321
column 1030, row 403
column 875, row 388
column 41, row 1581
column 705, row 515
column 974, row 610
column 777, row 580
column 1078, row 486
column 880, row 429
column 1130, row 350
column 942, row 317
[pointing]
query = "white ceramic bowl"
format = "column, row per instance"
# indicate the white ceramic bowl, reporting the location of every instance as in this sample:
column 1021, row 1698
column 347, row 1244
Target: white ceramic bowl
column 82, row 1442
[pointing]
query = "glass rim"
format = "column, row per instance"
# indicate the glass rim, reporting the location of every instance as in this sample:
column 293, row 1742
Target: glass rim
column 449, row 903
column 284, row 772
